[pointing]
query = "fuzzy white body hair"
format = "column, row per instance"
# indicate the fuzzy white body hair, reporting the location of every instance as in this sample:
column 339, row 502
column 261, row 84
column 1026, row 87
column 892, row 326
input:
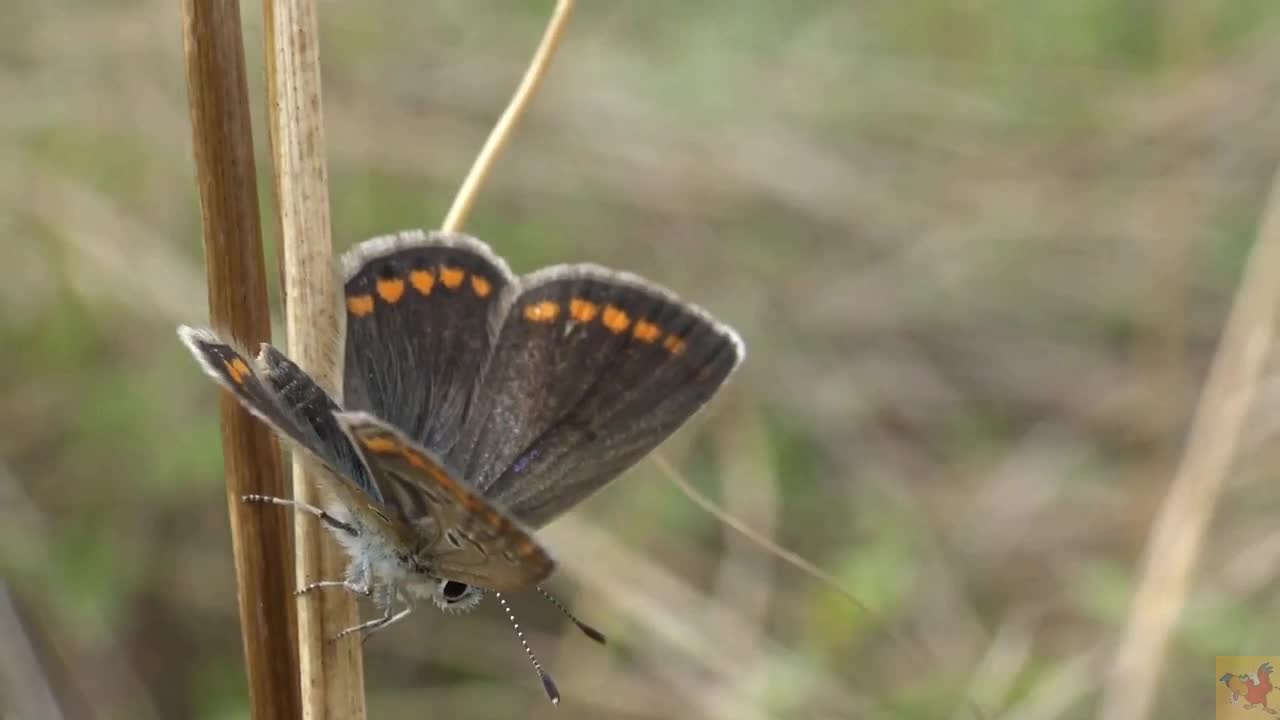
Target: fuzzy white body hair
column 389, row 570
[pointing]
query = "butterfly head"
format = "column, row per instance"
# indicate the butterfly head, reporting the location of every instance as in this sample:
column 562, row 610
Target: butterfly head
column 450, row 596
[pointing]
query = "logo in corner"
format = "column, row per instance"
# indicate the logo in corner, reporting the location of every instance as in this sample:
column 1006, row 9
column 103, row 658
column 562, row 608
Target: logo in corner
column 1244, row 688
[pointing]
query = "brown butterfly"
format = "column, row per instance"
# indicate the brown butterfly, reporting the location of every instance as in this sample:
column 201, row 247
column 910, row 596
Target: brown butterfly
column 477, row 407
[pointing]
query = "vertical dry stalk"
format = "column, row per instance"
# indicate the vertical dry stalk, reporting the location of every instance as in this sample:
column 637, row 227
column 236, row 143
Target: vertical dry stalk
column 501, row 132
column 218, row 98
column 1174, row 543
column 332, row 676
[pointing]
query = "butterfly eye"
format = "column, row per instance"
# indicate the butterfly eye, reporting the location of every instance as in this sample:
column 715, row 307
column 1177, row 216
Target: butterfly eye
column 452, row 590
column 453, row 596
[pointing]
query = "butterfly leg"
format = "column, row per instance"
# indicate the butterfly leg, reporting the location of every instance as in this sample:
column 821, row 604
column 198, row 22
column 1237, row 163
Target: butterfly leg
column 372, row 626
column 328, row 519
column 357, row 582
column 357, row 588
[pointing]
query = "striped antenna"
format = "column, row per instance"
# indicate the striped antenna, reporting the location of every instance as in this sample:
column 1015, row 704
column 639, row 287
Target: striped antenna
column 553, row 693
column 586, row 629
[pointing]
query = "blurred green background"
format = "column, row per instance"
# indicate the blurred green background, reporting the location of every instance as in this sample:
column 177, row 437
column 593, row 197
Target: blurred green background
column 980, row 252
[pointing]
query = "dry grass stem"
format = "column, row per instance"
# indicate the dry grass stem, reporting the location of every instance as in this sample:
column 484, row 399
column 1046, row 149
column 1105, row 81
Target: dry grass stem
column 223, row 140
column 501, row 132
column 332, row 676
column 747, row 531
column 1178, row 533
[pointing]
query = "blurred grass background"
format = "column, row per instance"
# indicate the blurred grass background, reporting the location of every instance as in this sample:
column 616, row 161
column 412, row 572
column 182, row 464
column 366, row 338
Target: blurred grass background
column 980, row 252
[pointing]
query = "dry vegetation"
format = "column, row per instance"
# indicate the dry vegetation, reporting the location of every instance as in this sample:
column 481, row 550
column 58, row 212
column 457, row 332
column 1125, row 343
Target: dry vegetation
column 980, row 252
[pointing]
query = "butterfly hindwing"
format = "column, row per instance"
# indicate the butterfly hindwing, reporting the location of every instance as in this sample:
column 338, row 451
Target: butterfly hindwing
column 591, row 370
column 315, row 410
column 460, row 534
column 279, row 393
column 418, row 331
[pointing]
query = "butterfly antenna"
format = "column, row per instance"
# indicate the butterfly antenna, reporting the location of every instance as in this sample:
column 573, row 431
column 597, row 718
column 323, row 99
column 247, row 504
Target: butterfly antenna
column 553, row 693
column 586, row 629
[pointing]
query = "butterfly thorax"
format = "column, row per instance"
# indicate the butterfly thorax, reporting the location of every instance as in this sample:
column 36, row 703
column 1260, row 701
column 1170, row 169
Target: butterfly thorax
column 390, row 566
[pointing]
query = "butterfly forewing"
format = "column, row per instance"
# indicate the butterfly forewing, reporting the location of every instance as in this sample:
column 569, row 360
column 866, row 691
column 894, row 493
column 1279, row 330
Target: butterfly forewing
column 418, row 330
column 462, row 536
column 591, row 370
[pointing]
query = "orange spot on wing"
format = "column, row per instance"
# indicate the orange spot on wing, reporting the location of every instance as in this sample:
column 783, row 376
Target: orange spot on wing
column 414, row 459
column 360, row 305
column 381, row 444
column 481, row 286
column 614, row 319
column 390, row 289
column 422, row 281
column 542, row 312
column 237, row 370
column 452, row 277
column 583, row 311
column 646, row 331
column 674, row 344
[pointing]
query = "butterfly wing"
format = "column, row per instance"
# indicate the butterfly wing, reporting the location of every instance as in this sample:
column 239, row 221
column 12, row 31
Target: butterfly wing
column 461, row 535
column 280, row 394
column 590, row 371
column 418, row 329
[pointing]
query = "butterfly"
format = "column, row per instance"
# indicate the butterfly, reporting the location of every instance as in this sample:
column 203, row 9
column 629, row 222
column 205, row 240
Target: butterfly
column 477, row 407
